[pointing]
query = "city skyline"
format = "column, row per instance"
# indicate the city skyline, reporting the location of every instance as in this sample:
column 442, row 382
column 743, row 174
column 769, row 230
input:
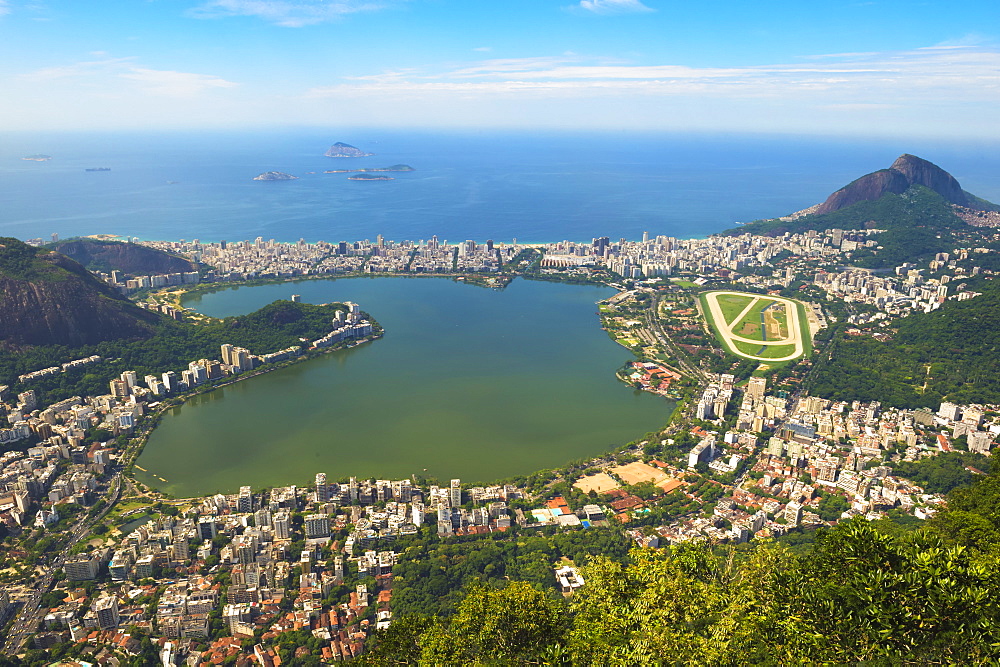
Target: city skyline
column 855, row 69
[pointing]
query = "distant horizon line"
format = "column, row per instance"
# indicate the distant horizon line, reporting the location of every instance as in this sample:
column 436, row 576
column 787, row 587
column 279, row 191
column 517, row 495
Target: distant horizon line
column 339, row 130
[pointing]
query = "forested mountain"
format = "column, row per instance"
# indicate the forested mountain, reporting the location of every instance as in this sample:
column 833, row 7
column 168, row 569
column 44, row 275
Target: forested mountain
column 913, row 201
column 908, row 170
column 170, row 346
column 951, row 353
column 917, row 223
column 48, row 299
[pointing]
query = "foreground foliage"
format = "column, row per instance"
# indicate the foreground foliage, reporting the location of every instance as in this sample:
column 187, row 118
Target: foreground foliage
column 864, row 592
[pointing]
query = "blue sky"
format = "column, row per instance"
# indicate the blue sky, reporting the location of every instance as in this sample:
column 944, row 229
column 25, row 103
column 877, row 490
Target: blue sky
column 886, row 68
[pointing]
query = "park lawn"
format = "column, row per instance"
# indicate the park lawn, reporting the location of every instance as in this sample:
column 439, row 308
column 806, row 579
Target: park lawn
column 126, row 505
column 750, row 349
column 768, row 351
column 748, row 329
column 731, row 307
column 684, row 283
column 807, row 340
column 777, row 351
column 749, row 326
column 735, row 305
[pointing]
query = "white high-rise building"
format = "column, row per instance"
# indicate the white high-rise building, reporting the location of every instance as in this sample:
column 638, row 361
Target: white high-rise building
column 317, row 525
column 106, row 610
column 322, row 490
column 282, row 526
column 949, row 411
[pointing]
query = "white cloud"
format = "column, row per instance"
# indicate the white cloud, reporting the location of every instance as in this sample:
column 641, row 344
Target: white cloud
column 108, row 72
column 77, row 70
column 384, row 77
column 507, row 66
column 920, row 78
column 930, row 91
column 175, row 84
column 4, row 7
column 483, row 48
column 970, row 39
column 614, row 6
column 289, row 13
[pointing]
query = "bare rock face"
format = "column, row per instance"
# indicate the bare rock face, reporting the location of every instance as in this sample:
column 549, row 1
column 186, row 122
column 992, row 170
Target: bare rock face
column 48, row 299
column 340, row 149
column 130, row 258
column 907, row 170
column 921, row 172
column 274, row 176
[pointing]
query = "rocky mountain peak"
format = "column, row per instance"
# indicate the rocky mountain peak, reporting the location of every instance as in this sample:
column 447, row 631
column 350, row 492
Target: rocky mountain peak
column 906, row 171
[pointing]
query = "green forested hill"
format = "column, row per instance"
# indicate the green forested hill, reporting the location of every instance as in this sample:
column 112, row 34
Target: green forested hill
column 174, row 344
column 49, row 299
column 952, row 353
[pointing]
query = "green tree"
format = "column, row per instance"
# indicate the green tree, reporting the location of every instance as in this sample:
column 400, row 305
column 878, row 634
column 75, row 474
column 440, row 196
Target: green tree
column 511, row 623
column 865, row 596
column 686, row 602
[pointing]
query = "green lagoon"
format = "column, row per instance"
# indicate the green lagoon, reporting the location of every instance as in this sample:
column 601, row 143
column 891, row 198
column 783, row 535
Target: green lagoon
column 467, row 382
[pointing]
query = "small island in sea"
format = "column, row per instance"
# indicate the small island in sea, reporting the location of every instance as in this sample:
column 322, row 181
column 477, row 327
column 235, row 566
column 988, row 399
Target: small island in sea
column 37, row 158
column 98, row 169
column 274, row 176
column 365, row 177
column 340, row 149
column 395, row 167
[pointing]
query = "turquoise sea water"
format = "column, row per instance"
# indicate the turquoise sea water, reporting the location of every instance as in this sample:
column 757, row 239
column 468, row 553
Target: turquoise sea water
column 466, row 186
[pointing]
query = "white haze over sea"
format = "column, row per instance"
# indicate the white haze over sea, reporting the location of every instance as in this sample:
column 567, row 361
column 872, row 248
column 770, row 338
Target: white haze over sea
column 500, row 186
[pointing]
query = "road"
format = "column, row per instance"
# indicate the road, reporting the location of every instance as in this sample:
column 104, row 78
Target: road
column 666, row 342
column 28, row 617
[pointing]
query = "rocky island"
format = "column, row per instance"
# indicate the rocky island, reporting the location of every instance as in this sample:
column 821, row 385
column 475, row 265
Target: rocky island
column 395, row 167
column 274, row 176
column 365, row 177
column 340, row 149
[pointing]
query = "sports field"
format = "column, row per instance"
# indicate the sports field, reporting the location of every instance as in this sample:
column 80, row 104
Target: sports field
column 765, row 328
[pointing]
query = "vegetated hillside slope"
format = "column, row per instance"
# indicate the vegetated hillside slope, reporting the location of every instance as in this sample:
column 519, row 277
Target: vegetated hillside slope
column 917, row 224
column 952, row 353
column 48, row 299
column 170, row 346
column 130, row 258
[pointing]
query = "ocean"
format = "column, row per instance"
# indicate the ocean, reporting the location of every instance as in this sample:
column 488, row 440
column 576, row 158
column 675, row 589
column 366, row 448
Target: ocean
column 466, row 185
